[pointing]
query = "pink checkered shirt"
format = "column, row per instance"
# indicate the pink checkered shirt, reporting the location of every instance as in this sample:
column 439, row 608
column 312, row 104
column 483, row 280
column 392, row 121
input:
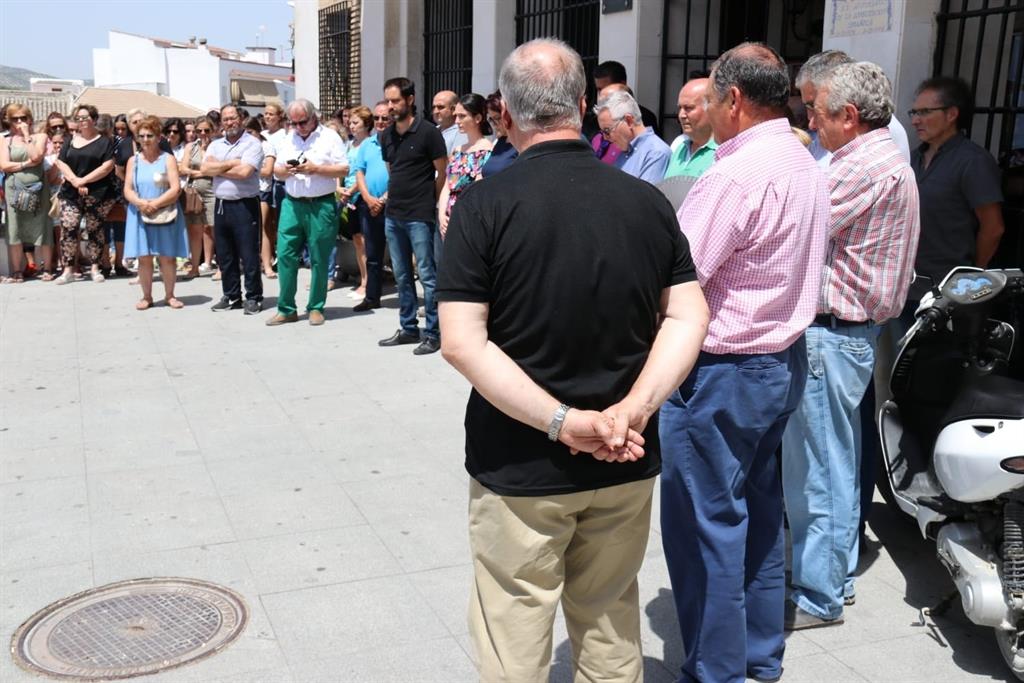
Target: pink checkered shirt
column 757, row 223
column 873, row 230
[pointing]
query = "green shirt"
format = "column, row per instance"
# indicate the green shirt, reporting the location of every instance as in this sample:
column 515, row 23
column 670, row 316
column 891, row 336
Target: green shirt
column 693, row 165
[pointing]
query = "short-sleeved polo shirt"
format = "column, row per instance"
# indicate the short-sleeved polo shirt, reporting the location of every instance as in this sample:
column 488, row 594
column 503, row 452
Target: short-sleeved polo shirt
column 410, row 158
column 961, row 177
column 572, row 256
column 369, row 160
column 249, row 149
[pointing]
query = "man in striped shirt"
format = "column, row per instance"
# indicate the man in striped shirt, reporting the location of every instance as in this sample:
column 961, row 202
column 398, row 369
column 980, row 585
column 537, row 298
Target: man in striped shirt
column 756, row 222
column 874, row 226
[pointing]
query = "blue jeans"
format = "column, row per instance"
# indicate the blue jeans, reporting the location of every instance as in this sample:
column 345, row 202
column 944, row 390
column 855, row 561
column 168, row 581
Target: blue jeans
column 721, row 510
column 821, row 455
column 406, row 238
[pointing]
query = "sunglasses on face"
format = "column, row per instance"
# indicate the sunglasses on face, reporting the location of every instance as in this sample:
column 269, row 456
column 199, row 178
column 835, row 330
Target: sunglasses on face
column 301, row 123
column 145, row 136
column 204, row 130
column 59, row 126
column 19, row 118
column 172, row 131
column 381, row 118
column 83, row 118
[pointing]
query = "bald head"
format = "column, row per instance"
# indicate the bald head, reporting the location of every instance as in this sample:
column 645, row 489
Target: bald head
column 693, row 120
column 613, row 87
column 542, row 84
column 443, row 108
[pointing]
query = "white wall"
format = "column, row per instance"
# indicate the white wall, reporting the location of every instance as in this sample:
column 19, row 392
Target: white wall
column 135, row 60
column 307, row 50
column 494, row 37
column 101, row 73
column 904, row 51
column 633, row 37
column 194, row 78
column 372, row 56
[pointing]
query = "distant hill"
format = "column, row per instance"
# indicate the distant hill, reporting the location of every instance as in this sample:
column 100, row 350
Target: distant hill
column 14, row 78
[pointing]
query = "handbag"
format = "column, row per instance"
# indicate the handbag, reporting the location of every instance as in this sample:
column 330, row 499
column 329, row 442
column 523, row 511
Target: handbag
column 163, row 215
column 193, row 200
column 25, row 197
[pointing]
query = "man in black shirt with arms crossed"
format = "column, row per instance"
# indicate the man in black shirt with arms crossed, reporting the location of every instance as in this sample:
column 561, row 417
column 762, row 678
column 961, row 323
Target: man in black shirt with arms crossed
column 567, row 290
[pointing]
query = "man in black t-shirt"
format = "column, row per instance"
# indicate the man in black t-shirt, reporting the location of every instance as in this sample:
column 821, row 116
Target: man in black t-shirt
column 570, row 303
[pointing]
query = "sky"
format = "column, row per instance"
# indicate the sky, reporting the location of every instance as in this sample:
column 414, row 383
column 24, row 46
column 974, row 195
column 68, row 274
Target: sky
column 56, row 37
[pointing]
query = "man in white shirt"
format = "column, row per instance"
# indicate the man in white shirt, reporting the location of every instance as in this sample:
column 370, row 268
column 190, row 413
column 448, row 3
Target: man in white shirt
column 310, row 159
column 443, row 110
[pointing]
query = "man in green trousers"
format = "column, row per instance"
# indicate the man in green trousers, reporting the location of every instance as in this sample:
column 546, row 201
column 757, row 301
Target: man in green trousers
column 310, row 158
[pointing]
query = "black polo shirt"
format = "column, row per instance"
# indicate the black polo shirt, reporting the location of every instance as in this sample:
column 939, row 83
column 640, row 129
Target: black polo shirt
column 961, row 177
column 572, row 256
column 410, row 159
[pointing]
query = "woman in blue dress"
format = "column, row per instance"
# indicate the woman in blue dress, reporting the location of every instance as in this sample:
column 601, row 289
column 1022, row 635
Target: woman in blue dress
column 151, row 188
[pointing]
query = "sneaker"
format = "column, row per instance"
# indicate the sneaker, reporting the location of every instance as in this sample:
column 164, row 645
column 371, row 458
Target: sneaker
column 226, row 304
column 253, row 306
column 428, row 345
column 205, row 269
column 798, row 619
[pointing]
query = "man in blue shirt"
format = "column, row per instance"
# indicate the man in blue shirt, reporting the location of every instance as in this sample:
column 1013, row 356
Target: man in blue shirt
column 644, row 155
column 234, row 162
column 372, row 181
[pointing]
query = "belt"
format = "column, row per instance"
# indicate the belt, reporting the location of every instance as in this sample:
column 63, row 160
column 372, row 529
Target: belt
column 829, row 320
column 329, row 195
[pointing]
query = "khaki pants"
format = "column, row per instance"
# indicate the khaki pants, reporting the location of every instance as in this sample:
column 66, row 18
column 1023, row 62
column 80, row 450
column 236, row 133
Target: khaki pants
column 529, row 553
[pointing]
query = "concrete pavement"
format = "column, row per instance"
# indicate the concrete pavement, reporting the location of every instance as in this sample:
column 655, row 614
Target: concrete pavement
column 321, row 477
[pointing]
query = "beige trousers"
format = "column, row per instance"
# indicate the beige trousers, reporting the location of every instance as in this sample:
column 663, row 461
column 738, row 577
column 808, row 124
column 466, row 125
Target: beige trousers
column 583, row 549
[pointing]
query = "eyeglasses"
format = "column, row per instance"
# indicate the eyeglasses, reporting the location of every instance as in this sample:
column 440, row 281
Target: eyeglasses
column 59, row 126
column 607, row 132
column 83, row 118
column 144, row 136
column 381, row 118
column 204, row 130
column 924, row 111
column 19, row 118
column 301, row 123
column 172, row 131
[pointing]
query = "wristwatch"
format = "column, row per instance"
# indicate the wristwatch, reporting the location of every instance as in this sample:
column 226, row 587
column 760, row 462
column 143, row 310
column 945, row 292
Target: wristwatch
column 555, row 428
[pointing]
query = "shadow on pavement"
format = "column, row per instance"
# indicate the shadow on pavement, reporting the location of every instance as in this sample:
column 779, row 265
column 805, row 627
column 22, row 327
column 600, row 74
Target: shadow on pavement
column 194, row 299
column 927, row 582
column 562, row 669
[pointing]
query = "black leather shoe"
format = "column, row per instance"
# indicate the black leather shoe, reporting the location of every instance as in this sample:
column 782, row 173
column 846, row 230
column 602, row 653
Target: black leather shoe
column 429, row 345
column 226, row 304
column 365, row 305
column 399, row 338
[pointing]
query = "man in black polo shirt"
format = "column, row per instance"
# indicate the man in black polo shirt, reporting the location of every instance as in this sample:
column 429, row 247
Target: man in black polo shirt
column 567, row 289
column 416, row 158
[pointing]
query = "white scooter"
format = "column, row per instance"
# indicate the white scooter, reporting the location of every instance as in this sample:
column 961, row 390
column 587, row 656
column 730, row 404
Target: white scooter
column 953, row 442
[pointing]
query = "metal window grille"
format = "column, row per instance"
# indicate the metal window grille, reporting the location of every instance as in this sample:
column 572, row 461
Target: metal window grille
column 339, row 56
column 577, row 22
column 696, row 32
column 982, row 41
column 447, row 46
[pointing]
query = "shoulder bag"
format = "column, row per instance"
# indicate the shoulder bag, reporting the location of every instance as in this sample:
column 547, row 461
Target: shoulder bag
column 25, row 198
column 193, row 200
column 164, row 215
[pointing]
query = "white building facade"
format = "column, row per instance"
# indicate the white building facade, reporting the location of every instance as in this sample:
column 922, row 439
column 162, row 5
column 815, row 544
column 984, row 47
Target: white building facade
column 193, row 72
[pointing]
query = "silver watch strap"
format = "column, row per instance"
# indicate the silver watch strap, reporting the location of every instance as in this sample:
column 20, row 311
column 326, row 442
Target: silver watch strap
column 555, row 428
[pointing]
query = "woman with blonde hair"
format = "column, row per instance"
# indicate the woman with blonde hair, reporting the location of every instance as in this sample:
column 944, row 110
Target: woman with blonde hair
column 271, row 189
column 27, row 191
column 200, row 223
column 155, row 226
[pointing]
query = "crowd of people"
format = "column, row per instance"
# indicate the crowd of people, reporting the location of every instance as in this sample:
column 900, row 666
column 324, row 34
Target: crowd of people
column 609, row 335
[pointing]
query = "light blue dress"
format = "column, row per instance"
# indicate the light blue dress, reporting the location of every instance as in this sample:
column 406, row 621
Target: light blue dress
column 140, row 238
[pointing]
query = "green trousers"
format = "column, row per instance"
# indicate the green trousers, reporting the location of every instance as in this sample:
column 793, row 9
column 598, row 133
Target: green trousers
column 313, row 224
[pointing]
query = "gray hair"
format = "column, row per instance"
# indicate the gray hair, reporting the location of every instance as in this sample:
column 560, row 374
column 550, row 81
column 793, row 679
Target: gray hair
column 305, row 105
column 619, row 103
column 816, row 68
column 541, row 83
column 865, row 86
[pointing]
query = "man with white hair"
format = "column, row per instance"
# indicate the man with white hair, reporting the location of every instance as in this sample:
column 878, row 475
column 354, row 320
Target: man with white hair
column 310, row 159
column 642, row 153
column 525, row 258
column 809, row 79
column 874, row 225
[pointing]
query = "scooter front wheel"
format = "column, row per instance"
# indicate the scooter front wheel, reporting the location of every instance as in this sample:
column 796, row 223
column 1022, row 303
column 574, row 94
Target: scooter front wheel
column 1008, row 642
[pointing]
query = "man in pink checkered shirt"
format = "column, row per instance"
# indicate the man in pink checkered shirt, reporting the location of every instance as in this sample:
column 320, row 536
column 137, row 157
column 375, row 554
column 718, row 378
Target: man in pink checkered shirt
column 757, row 226
column 873, row 234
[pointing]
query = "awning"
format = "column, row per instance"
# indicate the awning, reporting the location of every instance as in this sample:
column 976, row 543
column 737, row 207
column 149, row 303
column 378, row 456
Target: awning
column 249, row 91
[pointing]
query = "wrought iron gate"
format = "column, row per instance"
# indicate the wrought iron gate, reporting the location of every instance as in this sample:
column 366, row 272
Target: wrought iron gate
column 447, row 46
column 339, row 56
column 577, row 22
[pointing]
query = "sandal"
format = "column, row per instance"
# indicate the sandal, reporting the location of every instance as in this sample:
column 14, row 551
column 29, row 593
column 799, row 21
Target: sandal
column 143, row 303
column 97, row 276
column 270, row 274
column 174, row 302
column 13, row 280
column 64, row 278
column 46, row 276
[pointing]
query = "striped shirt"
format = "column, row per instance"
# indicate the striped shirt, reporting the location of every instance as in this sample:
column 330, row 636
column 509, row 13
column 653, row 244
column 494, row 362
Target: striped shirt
column 757, row 223
column 874, row 228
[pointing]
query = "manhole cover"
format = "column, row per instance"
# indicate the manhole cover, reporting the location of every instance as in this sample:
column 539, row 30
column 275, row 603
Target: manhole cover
column 129, row 628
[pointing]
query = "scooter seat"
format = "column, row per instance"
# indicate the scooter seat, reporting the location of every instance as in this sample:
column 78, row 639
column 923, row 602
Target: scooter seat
column 987, row 396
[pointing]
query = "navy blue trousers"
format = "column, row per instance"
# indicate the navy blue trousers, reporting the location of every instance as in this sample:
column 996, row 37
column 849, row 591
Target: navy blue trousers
column 721, row 510
column 236, row 230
